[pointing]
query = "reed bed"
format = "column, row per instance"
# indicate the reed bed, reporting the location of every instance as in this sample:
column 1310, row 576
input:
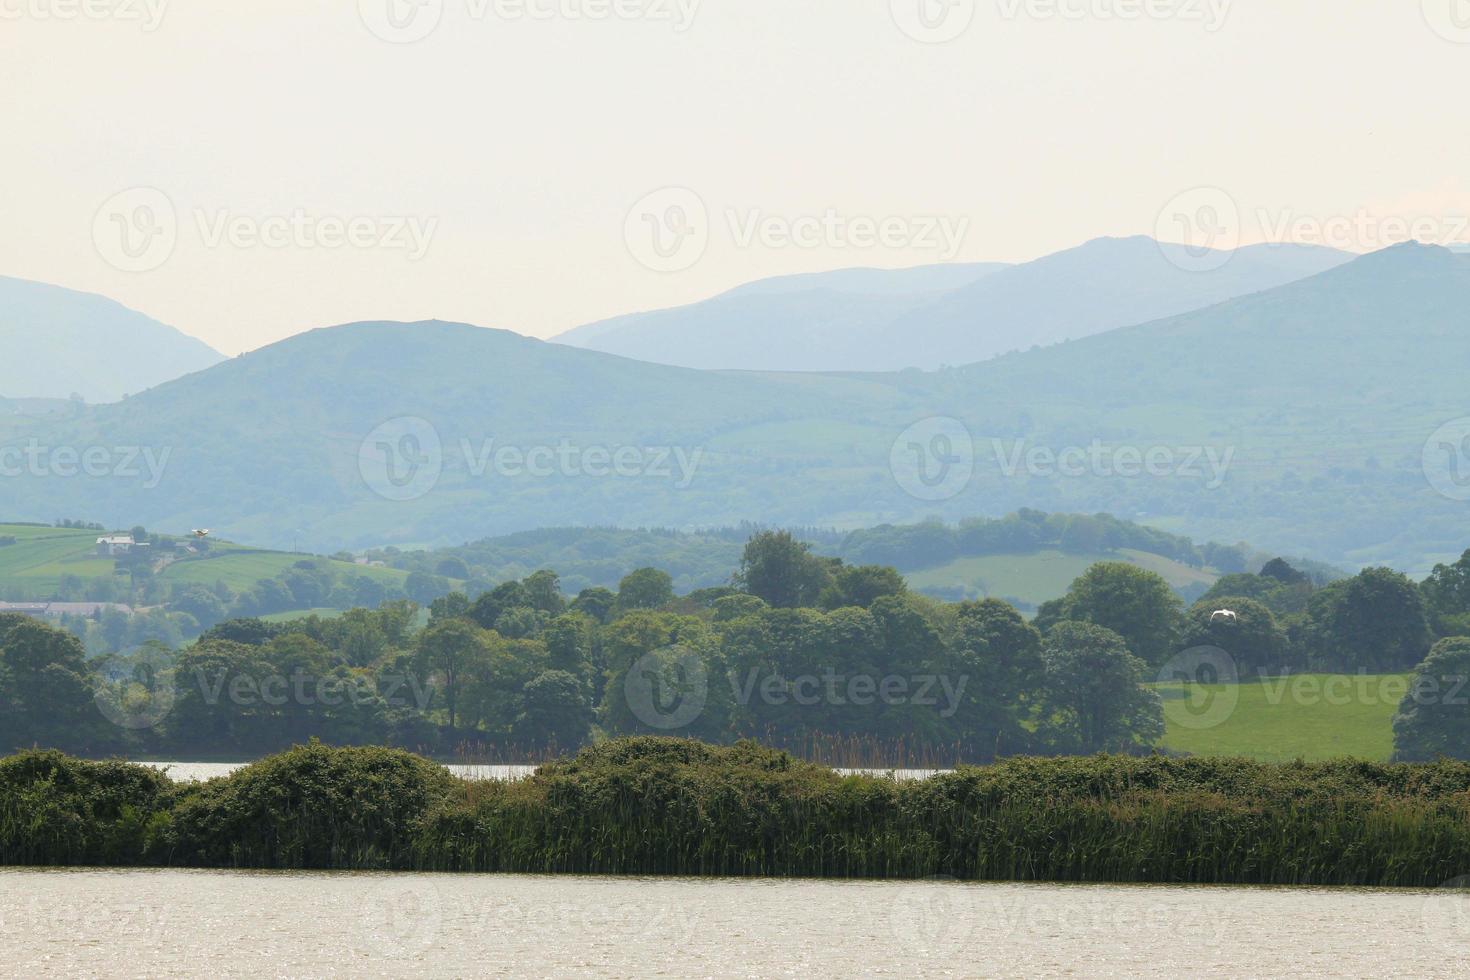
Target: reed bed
column 650, row 806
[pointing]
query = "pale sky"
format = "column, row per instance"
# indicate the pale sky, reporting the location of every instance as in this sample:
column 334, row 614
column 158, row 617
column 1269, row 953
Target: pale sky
column 519, row 147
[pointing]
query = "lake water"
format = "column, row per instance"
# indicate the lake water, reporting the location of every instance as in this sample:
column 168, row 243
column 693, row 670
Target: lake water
column 191, row 923
column 188, row 772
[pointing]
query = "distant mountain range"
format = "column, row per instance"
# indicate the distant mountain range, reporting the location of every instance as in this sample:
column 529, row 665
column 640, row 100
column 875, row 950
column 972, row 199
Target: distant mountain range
column 59, row 342
column 932, row 316
column 1303, row 419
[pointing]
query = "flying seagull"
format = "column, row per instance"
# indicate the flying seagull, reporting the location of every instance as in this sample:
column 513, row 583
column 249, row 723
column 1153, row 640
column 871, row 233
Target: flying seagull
column 1224, row 616
column 201, row 532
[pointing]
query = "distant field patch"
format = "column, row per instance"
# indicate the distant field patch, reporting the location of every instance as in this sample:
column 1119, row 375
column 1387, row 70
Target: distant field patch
column 1037, row 577
column 1309, row 716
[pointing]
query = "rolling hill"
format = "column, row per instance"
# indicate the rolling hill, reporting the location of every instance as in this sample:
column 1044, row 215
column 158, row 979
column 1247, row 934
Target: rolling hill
column 1296, row 418
column 58, row 342
column 865, row 320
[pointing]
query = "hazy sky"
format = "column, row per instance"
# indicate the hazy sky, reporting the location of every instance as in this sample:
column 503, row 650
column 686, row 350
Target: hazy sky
column 245, row 171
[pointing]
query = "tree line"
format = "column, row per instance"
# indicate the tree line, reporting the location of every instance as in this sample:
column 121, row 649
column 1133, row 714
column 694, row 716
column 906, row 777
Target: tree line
column 798, row 650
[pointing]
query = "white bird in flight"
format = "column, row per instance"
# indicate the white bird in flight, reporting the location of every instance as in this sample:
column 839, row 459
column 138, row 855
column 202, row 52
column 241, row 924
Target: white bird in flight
column 1224, row 616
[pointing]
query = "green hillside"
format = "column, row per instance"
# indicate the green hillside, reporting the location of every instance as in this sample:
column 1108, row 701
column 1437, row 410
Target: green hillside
column 1322, row 395
column 35, row 564
column 1028, row 580
column 41, row 556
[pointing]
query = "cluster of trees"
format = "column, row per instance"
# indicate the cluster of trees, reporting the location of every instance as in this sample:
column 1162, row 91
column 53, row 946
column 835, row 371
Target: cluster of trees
column 797, row 647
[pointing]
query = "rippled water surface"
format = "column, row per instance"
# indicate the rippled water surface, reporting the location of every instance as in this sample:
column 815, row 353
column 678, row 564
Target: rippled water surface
column 195, row 923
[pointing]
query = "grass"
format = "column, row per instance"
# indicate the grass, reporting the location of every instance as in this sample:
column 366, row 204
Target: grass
column 241, row 568
column 1032, row 579
column 41, row 556
column 1314, row 717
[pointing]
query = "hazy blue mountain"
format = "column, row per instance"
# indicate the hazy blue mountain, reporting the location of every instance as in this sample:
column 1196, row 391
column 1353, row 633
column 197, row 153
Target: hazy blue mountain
column 932, row 317
column 58, row 341
column 821, row 321
column 1319, row 398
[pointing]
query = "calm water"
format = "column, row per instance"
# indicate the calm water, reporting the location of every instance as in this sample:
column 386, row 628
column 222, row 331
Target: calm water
column 189, row 772
column 181, row 923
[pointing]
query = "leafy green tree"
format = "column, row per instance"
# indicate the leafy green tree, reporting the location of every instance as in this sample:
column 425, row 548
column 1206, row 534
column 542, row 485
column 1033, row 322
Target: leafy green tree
column 1447, row 597
column 1374, row 621
column 45, row 688
column 1434, row 719
column 492, row 605
column 1133, row 602
column 424, row 588
column 555, row 713
column 862, row 585
column 998, row 654
column 782, row 570
column 645, row 588
column 453, row 649
column 1095, row 698
column 595, row 603
column 1254, row 640
column 738, row 605
column 543, row 589
column 455, row 605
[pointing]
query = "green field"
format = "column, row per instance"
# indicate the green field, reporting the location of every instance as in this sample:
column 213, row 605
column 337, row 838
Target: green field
column 241, row 568
column 40, row 557
column 34, row 566
column 1035, row 578
column 1310, row 716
